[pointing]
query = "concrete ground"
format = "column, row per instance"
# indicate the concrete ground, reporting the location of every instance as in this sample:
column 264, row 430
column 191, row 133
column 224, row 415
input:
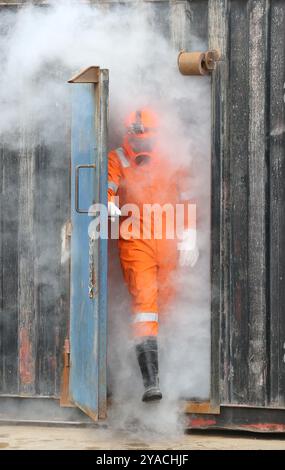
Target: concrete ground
column 49, row 437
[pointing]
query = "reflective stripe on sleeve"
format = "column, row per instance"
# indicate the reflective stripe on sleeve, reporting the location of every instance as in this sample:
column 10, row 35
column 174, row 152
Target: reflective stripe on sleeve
column 113, row 186
column 122, row 157
column 145, row 316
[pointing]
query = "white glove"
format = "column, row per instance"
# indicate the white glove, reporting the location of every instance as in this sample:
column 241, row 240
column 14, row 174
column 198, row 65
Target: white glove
column 113, row 211
column 188, row 248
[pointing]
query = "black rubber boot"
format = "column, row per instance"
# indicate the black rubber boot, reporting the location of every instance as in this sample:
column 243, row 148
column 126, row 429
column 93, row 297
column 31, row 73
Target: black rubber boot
column 147, row 355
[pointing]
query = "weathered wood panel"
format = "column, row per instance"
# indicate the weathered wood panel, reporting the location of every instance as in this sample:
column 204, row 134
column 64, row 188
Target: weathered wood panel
column 257, row 203
column 238, row 116
column 251, row 286
column 275, row 96
column 9, row 182
column 34, row 307
column 51, row 276
column 218, row 39
column 26, row 266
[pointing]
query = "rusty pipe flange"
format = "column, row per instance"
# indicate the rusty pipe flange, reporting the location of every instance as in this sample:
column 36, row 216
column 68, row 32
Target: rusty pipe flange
column 192, row 63
column 211, row 59
column 197, row 63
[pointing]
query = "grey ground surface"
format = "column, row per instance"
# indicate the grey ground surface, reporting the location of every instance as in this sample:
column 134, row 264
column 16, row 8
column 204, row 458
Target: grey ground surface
column 50, row 437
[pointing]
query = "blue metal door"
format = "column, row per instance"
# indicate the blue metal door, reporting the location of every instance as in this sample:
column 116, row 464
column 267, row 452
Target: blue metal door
column 88, row 256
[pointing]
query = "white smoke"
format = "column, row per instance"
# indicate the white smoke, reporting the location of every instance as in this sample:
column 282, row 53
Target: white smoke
column 40, row 49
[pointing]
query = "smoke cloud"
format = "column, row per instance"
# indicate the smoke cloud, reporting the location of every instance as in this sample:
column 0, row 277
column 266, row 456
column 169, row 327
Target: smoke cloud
column 40, row 49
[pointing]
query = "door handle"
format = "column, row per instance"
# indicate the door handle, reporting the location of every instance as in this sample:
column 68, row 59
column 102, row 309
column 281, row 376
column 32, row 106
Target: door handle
column 77, row 173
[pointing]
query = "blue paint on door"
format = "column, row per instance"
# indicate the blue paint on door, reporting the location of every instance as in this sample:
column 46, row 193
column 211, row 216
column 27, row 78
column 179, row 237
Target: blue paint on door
column 88, row 315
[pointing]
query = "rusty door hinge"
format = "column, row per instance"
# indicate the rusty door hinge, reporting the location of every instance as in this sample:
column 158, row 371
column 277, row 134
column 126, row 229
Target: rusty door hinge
column 65, row 399
column 66, row 360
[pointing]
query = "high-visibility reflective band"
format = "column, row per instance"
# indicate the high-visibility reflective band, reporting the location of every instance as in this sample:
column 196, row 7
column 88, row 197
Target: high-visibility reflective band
column 113, row 186
column 185, row 196
column 122, row 157
column 145, row 316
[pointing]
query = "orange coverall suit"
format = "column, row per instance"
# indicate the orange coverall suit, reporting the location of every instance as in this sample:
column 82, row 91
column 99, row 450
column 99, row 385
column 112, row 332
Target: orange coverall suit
column 147, row 264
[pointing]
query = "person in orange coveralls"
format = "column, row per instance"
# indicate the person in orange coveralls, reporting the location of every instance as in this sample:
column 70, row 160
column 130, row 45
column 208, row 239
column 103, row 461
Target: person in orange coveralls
column 139, row 174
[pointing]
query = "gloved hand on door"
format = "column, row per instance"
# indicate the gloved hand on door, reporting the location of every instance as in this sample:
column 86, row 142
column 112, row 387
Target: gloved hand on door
column 113, row 211
column 188, row 249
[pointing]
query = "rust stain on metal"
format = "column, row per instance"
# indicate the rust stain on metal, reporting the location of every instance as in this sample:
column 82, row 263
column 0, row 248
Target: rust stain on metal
column 204, row 407
column 202, row 422
column 264, row 427
column 65, row 400
column 211, row 59
column 52, row 362
column 87, row 75
column 25, row 357
column 89, row 412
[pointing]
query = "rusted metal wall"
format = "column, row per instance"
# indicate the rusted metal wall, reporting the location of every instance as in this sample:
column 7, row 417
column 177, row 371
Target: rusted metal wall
column 248, row 200
column 34, row 283
column 34, row 206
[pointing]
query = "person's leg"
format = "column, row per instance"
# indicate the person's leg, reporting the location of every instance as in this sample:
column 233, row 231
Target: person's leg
column 167, row 264
column 140, row 272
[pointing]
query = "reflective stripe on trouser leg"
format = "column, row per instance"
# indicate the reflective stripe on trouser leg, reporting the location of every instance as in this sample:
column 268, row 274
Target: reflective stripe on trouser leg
column 145, row 324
